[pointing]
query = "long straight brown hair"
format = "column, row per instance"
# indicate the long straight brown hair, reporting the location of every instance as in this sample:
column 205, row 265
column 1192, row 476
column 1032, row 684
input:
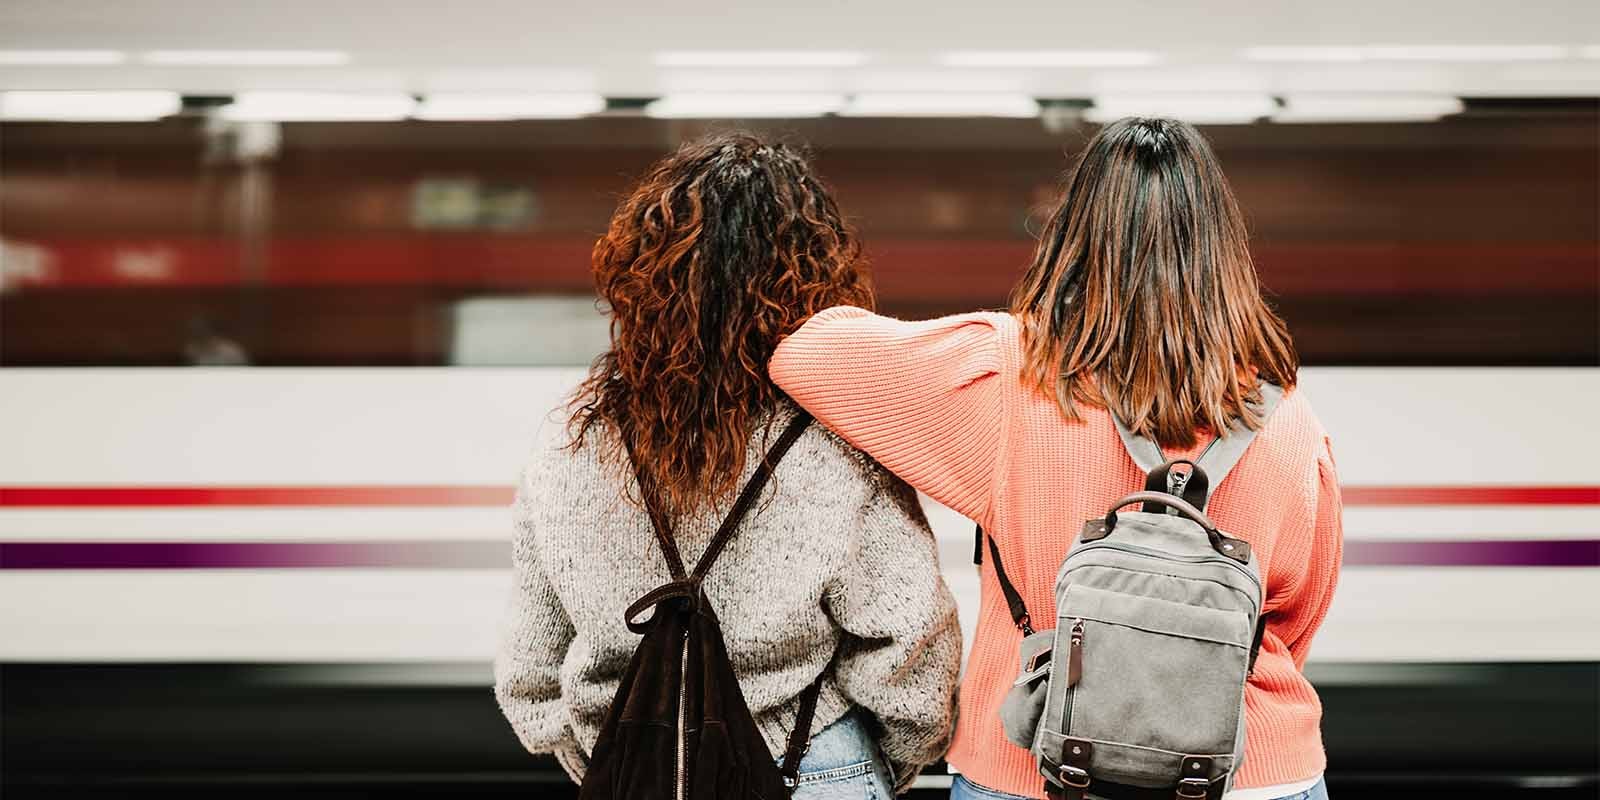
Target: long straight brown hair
column 1142, row 297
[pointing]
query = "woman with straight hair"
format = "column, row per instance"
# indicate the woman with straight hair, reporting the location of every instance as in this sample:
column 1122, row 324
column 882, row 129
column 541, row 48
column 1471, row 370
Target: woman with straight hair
column 1142, row 305
column 832, row 576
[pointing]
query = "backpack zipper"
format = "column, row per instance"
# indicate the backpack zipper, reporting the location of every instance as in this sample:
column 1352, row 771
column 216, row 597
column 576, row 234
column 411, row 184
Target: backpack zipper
column 683, row 715
column 1074, row 673
column 1075, row 654
column 1156, row 554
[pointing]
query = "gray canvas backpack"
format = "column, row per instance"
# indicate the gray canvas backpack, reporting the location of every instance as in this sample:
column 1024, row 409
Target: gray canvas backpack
column 1138, row 691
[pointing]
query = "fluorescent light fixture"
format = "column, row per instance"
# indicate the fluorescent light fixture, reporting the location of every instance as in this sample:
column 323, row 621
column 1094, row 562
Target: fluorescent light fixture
column 1048, row 58
column 1324, row 54
column 1420, row 52
column 1451, row 52
column 940, row 81
column 119, row 106
column 246, row 58
column 318, row 107
column 743, row 81
column 928, row 104
column 1201, row 109
column 1589, row 51
column 61, row 58
column 760, row 58
column 1366, row 108
column 716, row 105
column 506, row 80
column 565, row 105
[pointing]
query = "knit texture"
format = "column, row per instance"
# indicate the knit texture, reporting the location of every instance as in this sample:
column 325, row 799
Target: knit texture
column 941, row 404
column 835, row 556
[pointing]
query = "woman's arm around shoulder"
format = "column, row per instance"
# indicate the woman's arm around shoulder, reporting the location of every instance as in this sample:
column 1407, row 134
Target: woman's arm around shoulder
column 900, row 654
column 537, row 632
column 922, row 398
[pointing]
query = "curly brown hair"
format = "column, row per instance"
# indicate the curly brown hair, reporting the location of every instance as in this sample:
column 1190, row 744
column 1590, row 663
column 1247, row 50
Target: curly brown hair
column 723, row 248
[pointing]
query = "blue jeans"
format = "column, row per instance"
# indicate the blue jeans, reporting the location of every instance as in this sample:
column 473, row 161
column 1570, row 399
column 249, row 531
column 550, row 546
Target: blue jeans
column 843, row 764
column 963, row 789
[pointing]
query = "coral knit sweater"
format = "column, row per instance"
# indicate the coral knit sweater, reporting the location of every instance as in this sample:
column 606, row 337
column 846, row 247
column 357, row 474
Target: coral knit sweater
column 940, row 403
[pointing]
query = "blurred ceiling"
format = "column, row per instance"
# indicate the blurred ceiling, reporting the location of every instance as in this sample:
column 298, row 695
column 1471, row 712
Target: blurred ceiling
column 1479, row 48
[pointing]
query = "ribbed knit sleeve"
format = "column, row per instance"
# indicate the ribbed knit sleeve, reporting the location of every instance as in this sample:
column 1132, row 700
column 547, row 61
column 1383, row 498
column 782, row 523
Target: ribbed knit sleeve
column 920, row 397
column 527, row 669
column 900, row 653
column 1307, row 605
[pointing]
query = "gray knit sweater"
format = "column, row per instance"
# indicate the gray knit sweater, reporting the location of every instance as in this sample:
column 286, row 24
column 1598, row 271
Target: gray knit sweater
column 836, row 556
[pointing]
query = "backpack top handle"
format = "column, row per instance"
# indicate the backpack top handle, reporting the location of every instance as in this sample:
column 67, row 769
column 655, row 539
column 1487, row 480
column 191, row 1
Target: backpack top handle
column 1171, row 501
column 1191, row 484
column 1236, row 549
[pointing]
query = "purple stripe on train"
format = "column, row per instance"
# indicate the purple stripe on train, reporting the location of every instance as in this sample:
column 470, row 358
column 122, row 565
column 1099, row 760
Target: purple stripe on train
column 1473, row 553
column 493, row 554
column 392, row 554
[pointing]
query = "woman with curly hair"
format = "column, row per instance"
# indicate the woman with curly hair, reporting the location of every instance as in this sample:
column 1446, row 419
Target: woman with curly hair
column 723, row 248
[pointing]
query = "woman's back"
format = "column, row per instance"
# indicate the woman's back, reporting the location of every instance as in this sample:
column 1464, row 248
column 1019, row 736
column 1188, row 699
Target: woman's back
column 1142, row 306
column 829, row 589
column 943, row 404
column 828, row 535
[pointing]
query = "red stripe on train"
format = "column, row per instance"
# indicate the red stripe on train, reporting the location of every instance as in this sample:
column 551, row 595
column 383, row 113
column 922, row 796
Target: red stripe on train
column 401, row 495
column 123, row 496
column 1471, row 495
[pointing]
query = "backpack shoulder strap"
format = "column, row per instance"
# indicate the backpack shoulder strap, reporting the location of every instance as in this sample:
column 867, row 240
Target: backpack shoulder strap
column 1013, row 599
column 751, row 491
column 659, row 524
column 800, row 735
column 1219, row 457
column 1144, row 452
column 662, row 527
column 1226, row 450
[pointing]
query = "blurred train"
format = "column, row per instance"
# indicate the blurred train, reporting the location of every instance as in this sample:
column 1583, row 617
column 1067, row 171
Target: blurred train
column 292, row 579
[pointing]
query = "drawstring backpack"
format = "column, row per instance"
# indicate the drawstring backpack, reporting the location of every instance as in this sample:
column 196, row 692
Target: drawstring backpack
column 679, row 726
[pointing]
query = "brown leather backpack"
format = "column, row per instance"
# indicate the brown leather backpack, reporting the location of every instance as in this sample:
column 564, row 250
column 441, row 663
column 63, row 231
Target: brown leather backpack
column 679, row 727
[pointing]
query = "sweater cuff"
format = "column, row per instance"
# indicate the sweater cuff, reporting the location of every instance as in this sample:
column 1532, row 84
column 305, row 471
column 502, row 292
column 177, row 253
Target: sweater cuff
column 906, row 760
column 571, row 758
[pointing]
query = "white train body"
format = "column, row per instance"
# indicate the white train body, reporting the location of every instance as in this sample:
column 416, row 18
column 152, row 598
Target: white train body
column 395, row 480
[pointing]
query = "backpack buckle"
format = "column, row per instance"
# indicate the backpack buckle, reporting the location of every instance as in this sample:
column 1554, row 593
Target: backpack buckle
column 1195, row 783
column 1073, row 777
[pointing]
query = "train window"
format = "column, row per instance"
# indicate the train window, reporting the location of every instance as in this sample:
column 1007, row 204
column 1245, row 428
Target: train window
column 1467, row 241
column 527, row 331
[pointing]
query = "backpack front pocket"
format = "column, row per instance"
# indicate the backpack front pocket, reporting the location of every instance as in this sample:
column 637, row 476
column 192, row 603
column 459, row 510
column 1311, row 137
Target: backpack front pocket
column 1136, row 649
column 1023, row 706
